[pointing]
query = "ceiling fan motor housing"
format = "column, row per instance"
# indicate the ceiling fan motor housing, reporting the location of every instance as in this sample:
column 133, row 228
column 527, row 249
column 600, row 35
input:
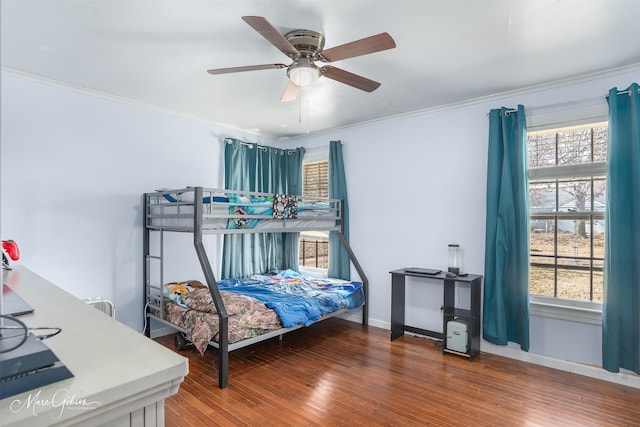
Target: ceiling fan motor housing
column 309, row 43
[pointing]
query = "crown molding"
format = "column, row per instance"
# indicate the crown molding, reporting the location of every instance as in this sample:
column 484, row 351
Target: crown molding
column 473, row 101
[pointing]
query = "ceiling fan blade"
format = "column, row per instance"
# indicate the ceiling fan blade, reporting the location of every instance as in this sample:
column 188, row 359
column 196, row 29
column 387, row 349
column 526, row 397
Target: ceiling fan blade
column 382, row 41
column 270, row 33
column 290, row 92
column 245, row 68
column 350, row 79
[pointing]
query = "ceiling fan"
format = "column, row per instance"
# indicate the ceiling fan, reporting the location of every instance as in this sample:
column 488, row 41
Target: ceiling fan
column 304, row 47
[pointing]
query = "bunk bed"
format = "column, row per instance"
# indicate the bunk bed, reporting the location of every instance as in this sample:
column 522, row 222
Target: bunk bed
column 243, row 311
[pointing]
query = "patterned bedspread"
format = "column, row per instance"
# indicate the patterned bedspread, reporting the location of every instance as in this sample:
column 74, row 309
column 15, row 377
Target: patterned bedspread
column 192, row 311
column 257, row 304
column 298, row 299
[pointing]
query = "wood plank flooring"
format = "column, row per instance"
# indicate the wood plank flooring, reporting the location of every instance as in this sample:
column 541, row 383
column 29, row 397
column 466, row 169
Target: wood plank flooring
column 340, row 373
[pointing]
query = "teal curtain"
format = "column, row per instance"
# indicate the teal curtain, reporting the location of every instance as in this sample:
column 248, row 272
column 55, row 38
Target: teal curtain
column 251, row 167
column 292, row 184
column 506, row 283
column 621, row 308
column 339, row 264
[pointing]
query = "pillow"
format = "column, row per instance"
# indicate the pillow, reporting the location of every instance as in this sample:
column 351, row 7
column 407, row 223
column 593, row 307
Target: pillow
column 188, row 196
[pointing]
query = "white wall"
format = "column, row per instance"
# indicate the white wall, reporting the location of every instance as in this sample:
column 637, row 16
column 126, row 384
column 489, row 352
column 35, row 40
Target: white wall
column 74, row 167
column 417, row 183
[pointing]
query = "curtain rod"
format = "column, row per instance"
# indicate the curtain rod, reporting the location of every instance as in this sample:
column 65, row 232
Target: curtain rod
column 622, row 92
column 561, row 104
column 246, row 144
column 259, row 147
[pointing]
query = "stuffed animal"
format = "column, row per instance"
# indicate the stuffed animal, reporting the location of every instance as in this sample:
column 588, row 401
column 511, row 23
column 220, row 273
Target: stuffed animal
column 179, row 288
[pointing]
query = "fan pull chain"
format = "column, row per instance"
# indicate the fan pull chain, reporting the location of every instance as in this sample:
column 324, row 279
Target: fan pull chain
column 300, row 95
column 307, row 115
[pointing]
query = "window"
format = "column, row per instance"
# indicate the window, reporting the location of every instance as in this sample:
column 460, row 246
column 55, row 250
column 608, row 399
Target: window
column 314, row 246
column 567, row 196
column 315, row 179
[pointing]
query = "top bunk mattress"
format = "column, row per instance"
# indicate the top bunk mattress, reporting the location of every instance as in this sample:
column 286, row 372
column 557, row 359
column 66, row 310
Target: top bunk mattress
column 227, row 212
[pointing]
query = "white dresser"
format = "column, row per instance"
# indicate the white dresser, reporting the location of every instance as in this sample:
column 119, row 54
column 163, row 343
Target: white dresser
column 121, row 377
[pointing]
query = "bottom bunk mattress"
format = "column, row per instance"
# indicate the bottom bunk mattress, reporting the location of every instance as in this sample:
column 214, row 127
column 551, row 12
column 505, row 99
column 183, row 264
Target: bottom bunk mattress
column 257, row 304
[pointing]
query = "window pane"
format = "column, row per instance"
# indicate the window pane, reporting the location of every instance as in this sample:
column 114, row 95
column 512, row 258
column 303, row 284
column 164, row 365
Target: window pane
column 573, row 284
column 598, row 239
column 600, row 143
column 542, row 150
column 575, row 195
column 542, row 237
column 574, row 238
column 598, row 281
column 542, row 197
column 315, row 179
column 574, row 146
column 541, row 277
column 314, row 249
column 569, row 244
column 599, row 195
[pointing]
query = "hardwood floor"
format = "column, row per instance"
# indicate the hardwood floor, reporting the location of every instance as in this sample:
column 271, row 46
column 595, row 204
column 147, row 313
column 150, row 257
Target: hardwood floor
column 340, row 373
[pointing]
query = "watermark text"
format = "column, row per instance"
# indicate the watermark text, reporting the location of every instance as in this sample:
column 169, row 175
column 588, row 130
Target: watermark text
column 62, row 400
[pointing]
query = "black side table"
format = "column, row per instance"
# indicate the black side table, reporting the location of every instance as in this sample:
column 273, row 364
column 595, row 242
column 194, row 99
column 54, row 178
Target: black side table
column 470, row 317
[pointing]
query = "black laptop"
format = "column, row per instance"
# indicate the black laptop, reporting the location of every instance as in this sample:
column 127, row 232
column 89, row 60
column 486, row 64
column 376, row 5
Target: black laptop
column 418, row 270
column 12, row 303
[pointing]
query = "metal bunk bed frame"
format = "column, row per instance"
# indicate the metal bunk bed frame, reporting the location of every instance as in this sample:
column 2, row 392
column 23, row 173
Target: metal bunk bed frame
column 198, row 230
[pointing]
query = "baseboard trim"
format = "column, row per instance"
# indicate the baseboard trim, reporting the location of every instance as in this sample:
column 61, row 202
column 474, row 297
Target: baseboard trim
column 161, row 332
column 624, row 377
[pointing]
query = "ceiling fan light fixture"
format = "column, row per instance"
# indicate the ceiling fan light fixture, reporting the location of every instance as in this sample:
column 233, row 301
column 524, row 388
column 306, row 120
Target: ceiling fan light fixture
column 303, row 73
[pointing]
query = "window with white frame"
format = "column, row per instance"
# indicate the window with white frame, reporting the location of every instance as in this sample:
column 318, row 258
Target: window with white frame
column 567, row 198
column 315, row 179
column 314, row 245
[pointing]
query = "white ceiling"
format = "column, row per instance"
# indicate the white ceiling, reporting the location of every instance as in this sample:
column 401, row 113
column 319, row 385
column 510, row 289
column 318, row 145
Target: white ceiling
column 157, row 53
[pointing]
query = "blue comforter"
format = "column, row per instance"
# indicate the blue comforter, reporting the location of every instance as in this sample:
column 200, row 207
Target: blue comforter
column 298, row 299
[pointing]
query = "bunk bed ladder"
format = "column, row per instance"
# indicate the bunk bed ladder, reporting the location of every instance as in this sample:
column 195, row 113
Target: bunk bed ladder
column 223, row 340
column 147, row 259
